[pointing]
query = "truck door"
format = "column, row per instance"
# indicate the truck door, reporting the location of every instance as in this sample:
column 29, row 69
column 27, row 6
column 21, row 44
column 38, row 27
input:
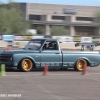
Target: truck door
column 51, row 56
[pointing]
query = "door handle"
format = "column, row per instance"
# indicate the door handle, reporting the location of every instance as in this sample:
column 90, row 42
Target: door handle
column 56, row 53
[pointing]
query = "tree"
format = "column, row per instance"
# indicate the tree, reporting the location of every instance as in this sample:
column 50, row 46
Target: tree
column 97, row 20
column 97, row 16
column 12, row 19
column 39, row 30
column 58, row 30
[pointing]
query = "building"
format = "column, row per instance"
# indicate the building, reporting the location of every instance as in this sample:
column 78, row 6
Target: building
column 78, row 20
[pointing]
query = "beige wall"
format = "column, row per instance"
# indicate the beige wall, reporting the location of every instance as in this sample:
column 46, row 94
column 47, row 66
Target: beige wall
column 34, row 8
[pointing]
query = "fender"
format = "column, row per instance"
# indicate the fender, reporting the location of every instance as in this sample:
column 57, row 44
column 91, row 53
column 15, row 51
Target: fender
column 82, row 58
column 26, row 57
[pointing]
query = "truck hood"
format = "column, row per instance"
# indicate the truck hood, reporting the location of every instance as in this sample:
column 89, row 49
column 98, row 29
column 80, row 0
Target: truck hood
column 18, row 51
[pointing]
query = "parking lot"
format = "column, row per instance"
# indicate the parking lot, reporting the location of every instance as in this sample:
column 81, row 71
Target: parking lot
column 57, row 85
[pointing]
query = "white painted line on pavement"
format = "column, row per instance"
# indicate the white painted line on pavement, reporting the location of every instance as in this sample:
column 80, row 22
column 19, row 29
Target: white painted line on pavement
column 52, row 94
column 94, row 73
column 96, row 80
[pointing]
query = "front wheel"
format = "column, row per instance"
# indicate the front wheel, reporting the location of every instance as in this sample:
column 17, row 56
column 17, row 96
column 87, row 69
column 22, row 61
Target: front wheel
column 25, row 65
column 79, row 66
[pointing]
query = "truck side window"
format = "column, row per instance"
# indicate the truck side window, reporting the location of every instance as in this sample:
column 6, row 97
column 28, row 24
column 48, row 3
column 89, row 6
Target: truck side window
column 50, row 45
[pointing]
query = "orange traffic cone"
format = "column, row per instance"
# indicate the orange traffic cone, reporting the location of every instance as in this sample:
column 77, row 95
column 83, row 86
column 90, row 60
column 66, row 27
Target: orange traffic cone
column 84, row 72
column 45, row 72
column 73, row 49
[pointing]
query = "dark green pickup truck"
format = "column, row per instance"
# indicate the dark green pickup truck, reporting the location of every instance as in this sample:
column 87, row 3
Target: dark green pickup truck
column 39, row 52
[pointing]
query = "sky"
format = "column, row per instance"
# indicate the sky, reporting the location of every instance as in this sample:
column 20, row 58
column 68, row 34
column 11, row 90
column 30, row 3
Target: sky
column 65, row 2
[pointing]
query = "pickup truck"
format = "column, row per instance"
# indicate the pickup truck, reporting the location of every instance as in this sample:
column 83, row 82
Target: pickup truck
column 39, row 52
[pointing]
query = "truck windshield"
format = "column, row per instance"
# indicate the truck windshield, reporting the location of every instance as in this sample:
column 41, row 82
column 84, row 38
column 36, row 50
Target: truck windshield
column 34, row 45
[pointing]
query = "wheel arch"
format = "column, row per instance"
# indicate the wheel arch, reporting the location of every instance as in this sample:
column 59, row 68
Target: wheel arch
column 28, row 57
column 84, row 58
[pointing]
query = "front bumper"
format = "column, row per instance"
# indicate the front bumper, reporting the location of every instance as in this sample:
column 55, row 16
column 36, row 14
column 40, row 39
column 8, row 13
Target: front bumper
column 8, row 65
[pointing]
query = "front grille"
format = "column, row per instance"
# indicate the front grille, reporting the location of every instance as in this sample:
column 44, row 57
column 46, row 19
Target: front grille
column 5, row 58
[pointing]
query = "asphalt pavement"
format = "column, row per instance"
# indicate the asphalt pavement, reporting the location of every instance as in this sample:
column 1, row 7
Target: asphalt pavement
column 57, row 85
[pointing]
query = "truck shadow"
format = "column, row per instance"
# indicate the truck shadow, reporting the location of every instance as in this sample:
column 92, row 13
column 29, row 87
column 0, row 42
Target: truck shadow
column 41, row 70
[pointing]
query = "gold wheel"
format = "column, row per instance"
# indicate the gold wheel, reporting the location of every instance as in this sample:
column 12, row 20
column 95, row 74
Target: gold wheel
column 27, row 64
column 80, row 64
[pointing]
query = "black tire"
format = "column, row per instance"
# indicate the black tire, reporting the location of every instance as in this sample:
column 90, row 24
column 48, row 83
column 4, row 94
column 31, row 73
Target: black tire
column 25, row 65
column 79, row 66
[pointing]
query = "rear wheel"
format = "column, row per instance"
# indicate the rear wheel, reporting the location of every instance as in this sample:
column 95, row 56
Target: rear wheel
column 26, row 65
column 79, row 66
